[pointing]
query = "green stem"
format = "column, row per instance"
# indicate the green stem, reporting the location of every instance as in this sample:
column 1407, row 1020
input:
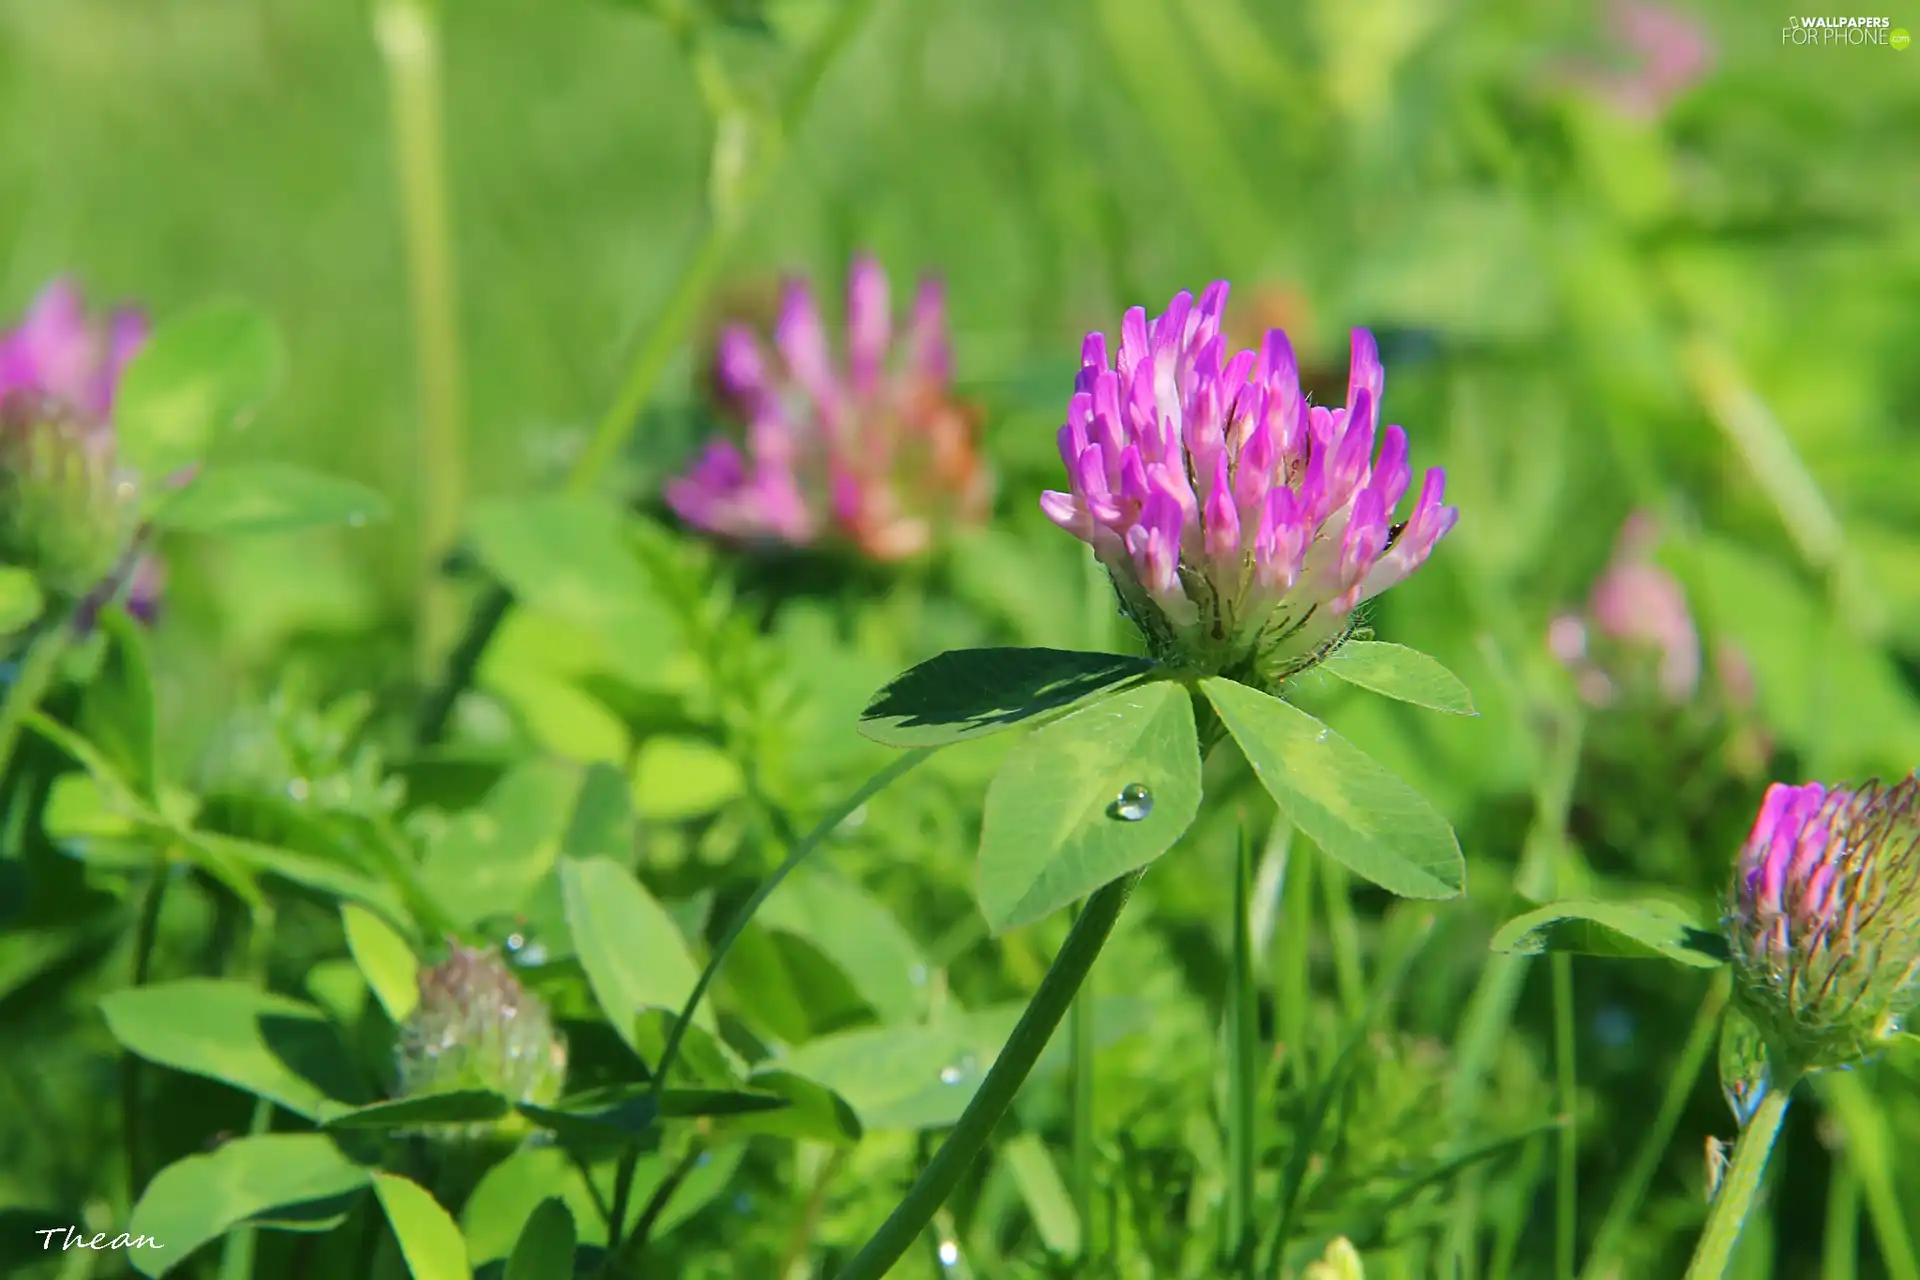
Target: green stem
column 1243, row 1071
column 1840, row 1245
column 879, row 782
column 1654, row 1143
column 1566, row 1220
column 617, row 1218
column 31, row 681
column 409, row 37
column 146, row 934
column 236, row 1252
column 649, row 364
column 1023, row 1048
column 1738, row 1188
column 1081, row 1029
column 657, row 1205
column 1868, row 1156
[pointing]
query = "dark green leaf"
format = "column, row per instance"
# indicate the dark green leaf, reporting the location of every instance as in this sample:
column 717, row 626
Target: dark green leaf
column 1636, row 930
column 268, row 498
column 268, row 1045
column 967, row 693
column 1399, row 672
column 455, row 1106
column 544, row 1250
column 1057, row 826
column 814, row 1112
column 203, row 1197
column 1356, row 811
column 200, row 377
column 855, row 930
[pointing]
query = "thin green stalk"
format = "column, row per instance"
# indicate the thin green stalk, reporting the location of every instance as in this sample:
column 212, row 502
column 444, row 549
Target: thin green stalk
column 657, row 1204
column 133, row 1112
column 1739, row 1187
column 1840, row 1243
column 879, row 782
column 1566, row 1205
column 1023, row 1048
column 1344, row 934
column 1506, row 1235
column 1701, row 1041
column 649, row 364
column 1080, row 1030
column 236, row 1251
column 1292, row 964
column 617, row 1217
column 408, row 33
column 1243, row 1072
column 1871, row 1161
column 31, row 681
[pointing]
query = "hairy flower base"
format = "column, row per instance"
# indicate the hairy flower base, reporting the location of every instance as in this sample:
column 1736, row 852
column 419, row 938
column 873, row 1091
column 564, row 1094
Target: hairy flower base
column 477, row 1028
column 1824, row 920
column 1240, row 525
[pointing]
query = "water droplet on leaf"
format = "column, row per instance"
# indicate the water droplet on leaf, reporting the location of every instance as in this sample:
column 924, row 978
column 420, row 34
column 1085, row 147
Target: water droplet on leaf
column 949, row 1253
column 959, row 1071
column 917, row 975
column 1133, row 803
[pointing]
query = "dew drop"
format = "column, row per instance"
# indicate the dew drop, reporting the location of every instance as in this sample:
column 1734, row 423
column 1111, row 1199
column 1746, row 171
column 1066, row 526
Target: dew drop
column 949, row 1253
column 960, row 1070
column 1320, row 736
column 1133, row 803
column 299, row 789
column 917, row 975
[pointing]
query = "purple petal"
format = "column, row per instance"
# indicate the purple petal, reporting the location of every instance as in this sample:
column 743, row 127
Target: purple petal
column 869, row 323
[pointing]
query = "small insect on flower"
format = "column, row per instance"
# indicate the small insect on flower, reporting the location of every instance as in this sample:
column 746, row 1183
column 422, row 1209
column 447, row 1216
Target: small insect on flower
column 873, row 455
column 1824, row 921
column 67, row 509
column 1240, row 525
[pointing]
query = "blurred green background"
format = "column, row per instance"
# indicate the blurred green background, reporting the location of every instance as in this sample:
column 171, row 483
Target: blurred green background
column 1595, row 294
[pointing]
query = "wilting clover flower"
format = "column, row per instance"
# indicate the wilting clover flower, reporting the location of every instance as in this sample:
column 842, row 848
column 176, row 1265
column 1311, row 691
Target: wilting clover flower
column 1241, row 526
column 475, row 1027
column 69, row 510
column 873, row 455
column 1824, row 921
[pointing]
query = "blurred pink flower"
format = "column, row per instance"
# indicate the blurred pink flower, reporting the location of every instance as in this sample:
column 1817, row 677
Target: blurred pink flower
column 1670, row 52
column 1635, row 606
column 61, row 370
column 873, row 454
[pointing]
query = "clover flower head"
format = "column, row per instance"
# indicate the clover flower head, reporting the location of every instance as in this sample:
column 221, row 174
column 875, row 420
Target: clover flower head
column 1669, row 52
column 1636, row 617
column 1241, row 526
column 476, row 1027
column 68, row 508
column 1824, row 920
column 871, row 453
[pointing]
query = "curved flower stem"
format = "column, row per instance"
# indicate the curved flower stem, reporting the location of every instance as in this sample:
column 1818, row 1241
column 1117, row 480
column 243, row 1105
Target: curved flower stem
column 741, row 918
column 1738, row 1188
column 31, row 682
column 1653, row 1144
column 1010, row 1070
